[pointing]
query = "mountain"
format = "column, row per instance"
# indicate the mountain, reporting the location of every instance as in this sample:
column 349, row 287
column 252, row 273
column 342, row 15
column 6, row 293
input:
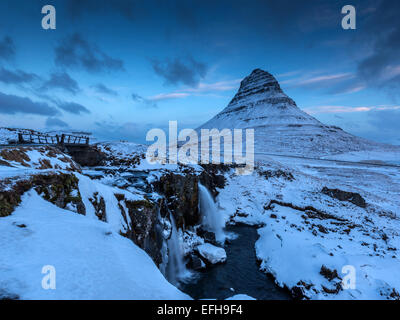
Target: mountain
column 280, row 126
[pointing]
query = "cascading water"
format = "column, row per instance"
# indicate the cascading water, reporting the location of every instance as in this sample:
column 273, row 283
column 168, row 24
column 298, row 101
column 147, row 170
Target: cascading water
column 176, row 269
column 212, row 220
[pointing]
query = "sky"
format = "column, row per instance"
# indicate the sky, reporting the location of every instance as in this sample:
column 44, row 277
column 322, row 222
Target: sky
column 120, row 68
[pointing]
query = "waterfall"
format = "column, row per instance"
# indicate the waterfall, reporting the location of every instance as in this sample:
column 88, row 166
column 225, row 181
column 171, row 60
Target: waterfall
column 176, row 269
column 212, row 220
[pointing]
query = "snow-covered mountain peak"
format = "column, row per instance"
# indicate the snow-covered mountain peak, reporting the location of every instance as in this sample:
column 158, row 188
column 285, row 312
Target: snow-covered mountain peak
column 280, row 126
column 259, row 82
column 259, row 89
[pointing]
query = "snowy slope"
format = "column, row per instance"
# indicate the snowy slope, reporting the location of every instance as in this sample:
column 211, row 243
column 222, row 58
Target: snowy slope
column 280, row 126
column 297, row 242
column 91, row 260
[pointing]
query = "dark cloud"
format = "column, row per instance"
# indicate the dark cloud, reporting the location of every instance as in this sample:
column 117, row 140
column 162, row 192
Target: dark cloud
column 76, row 52
column 63, row 81
column 187, row 71
column 101, row 88
column 16, row 77
column 144, row 101
column 385, row 119
column 11, row 104
column 130, row 131
column 73, row 107
column 384, row 126
column 381, row 68
column 55, row 122
column 126, row 8
column 7, row 48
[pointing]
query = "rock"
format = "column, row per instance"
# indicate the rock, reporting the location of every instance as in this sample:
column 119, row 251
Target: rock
column 211, row 253
column 208, row 236
column 181, row 192
column 328, row 273
column 286, row 175
column 87, row 156
column 353, row 197
column 61, row 189
column 196, row 263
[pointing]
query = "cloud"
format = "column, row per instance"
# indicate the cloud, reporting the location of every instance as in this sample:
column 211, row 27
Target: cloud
column 202, row 88
column 63, row 81
column 348, row 109
column 101, row 88
column 76, row 52
column 386, row 119
column 147, row 102
column 329, row 83
column 126, row 8
column 384, row 125
column 55, row 122
column 73, row 107
column 169, row 96
column 319, row 81
column 16, row 77
column 185, row 71
column 381, row 68
column 7, row 48
column 11, row 104
column 127, row 131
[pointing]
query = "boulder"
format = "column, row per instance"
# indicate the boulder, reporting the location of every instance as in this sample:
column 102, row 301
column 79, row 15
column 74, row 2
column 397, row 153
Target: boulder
column 196, row 263
column 211, row 253
column 353, row 197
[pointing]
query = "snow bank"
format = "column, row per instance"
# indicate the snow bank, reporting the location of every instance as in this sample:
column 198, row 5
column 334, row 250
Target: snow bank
column 91, row 260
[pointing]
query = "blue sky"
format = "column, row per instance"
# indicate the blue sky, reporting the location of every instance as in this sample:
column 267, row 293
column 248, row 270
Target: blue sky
column 119, row 68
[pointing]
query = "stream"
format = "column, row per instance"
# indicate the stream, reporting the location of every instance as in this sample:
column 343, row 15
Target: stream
column 240, row 272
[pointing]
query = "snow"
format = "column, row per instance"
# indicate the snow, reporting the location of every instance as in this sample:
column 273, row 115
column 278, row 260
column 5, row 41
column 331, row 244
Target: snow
column 88, row 188
column 240, row 297
column 91, row 260
column 294, row 245
column 7, row 134
column 212, row 253
column 37, row 157
column 377, row 156
column 280, row 126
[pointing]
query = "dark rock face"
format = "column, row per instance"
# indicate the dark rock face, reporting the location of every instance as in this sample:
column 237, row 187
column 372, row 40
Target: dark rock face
column 99, row 206
column 328, row 273
column 182, row 194
column 195, row 262
column 60, row 189
column 86, row 156
column 259, row 82
column 143, row 230
column 341, row 195
column 182, row 197
column 208, row 236
column 213, row 177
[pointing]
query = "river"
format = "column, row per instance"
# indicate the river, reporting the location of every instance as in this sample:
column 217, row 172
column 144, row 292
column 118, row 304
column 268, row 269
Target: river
column 240, row 272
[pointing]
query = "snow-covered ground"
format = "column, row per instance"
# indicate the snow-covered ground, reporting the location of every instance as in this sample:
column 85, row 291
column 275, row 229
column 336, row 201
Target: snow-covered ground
column 306, row 236
column 90, row 259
